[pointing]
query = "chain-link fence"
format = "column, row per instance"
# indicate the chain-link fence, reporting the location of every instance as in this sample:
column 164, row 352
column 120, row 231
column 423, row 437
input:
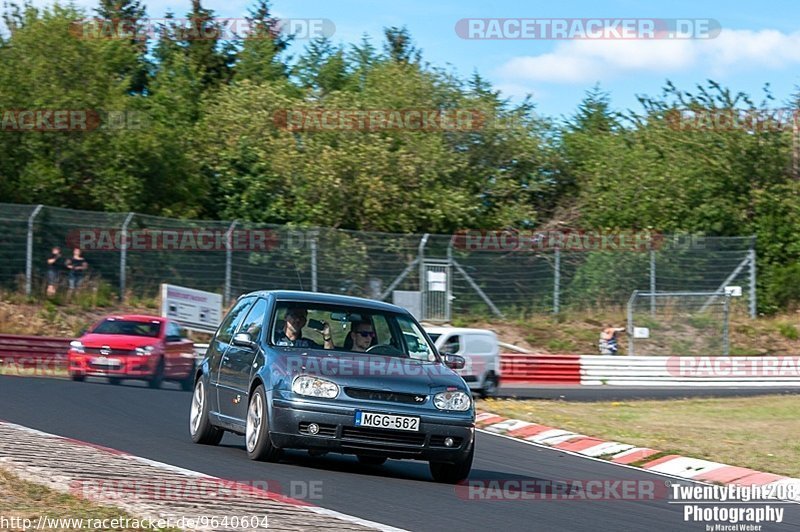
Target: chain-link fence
column 134, row 253
column 679, row 323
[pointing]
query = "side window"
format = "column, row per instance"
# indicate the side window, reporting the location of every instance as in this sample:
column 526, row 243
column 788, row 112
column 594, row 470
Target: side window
column 452, row 345
column 254, row 322
column 414, row 340
column 173, row 332
column 233, row 319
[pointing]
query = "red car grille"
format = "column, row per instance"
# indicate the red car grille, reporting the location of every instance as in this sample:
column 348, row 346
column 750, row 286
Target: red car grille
column 108, row 352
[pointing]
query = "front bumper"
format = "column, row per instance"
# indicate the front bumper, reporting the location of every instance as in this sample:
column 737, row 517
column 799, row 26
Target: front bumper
column 338, row 433
column 114, row 366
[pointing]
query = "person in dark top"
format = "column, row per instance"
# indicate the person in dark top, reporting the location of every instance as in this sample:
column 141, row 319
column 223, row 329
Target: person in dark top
column 292, row 335
column 55, row 264
column 77, row 266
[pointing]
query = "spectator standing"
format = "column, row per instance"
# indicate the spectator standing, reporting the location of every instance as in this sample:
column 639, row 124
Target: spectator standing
column 55, row 265
column 608, row 340
column 77, row 266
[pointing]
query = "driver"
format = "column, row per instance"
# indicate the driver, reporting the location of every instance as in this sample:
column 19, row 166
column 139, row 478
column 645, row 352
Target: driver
column 292, row 335
column 362, row 335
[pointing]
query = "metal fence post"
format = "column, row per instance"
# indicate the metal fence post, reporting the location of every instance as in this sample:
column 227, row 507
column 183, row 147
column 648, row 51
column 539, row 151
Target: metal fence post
column 652, row 280
column 421, row 258
column 123, row 255
column 630, row 322
column 449, row 295
column 725, row 327
column 29, row 252
column 752, row 256
column 226, row 297
column 313, row 245
column 557, row 281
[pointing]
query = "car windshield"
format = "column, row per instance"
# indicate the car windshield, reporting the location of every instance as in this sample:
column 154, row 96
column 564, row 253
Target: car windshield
column 352, row 330
column 129, row 327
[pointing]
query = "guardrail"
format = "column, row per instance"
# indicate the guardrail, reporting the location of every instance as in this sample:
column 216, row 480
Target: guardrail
column 543, row 369
column 33, row 351
column 690, row 371
column 48, row 353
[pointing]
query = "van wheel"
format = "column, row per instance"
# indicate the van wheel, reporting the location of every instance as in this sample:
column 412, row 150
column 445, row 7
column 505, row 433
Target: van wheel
column 490, row 386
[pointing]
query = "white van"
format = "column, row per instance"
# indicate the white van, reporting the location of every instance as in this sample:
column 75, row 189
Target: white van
column 480, row 349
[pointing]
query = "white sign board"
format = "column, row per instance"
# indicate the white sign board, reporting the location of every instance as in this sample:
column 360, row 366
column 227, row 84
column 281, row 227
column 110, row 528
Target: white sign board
column 733, row 291
column 641, row 332
column 437, row 281
column 194, row 309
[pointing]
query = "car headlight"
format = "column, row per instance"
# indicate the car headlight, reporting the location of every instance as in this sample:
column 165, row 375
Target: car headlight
column 144, row 351
column 458, row 401
column 76, row 345
column 314, row 387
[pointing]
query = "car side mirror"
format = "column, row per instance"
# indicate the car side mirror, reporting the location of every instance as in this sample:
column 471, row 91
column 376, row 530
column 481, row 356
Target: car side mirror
column 243, row 339
column 455, row 361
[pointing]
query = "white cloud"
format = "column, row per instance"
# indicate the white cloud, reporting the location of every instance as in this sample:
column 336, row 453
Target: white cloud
column 581, row 61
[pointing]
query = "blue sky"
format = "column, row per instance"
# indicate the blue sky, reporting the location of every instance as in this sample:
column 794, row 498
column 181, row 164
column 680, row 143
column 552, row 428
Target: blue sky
column 759, row 43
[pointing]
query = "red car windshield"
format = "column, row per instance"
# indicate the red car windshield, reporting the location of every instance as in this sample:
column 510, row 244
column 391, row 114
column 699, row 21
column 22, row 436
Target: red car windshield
column 129, row 328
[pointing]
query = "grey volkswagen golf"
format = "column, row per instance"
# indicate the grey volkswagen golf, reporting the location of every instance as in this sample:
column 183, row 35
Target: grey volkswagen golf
column 328, row 373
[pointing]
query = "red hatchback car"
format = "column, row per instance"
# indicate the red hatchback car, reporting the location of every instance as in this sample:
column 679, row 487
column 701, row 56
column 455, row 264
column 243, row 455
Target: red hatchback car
column 133, row 347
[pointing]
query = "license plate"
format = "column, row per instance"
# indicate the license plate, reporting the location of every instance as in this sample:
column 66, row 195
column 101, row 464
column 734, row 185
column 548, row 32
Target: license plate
column 103, row 361
column 386, row 421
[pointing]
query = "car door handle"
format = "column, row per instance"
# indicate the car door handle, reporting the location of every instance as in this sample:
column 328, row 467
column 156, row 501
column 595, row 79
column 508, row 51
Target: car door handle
column 225, row 358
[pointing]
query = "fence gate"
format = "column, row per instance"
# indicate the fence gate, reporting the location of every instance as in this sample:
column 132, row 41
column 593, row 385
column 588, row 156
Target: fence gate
column 436, row 288
column 679, row 323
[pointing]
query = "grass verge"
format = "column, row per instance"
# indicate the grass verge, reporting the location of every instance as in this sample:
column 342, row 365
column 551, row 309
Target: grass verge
column 756, row 432
column 21, row 499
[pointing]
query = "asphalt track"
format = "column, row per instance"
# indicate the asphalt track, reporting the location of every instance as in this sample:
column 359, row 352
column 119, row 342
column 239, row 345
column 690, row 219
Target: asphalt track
column 153, row 424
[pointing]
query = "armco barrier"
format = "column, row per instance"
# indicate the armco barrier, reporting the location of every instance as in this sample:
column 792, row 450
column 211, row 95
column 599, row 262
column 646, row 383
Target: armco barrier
column 544, row 369
column 33, row 351
column 690, row 371
column 48, row 353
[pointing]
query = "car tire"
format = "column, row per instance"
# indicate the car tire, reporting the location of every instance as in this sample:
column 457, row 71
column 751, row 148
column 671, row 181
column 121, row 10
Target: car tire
column 259, row 446
column 158, row 377
column 114, row 380
column 77, row 377
column 448, row 473
column 371, row 460
column 490, row 386
column 201, row 429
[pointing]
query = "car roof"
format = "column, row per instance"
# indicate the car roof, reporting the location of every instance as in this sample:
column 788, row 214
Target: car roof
column 434, row 329
column 331, row 299
column 135, row 317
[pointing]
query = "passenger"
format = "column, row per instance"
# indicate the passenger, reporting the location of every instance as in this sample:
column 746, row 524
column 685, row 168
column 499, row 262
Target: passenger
column 292, row 335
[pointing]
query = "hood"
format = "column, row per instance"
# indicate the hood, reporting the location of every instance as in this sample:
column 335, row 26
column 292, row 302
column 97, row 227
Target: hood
column 117, row 341
column 373, row 371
